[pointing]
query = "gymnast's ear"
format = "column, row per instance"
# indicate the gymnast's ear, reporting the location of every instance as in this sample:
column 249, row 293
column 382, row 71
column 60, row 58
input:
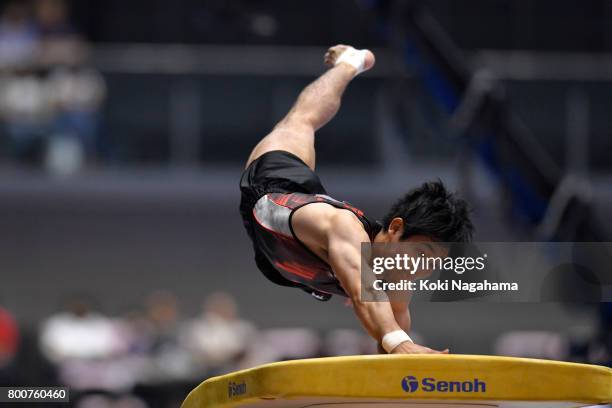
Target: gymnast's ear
column 396, row 228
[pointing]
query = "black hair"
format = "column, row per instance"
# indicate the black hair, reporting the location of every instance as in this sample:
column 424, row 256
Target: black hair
column 432, row 211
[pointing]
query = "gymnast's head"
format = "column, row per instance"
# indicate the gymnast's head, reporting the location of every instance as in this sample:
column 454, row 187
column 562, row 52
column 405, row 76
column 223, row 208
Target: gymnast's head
column 428, row 213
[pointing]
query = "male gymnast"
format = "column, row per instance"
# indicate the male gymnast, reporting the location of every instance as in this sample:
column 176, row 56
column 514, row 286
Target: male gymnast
column 304, row 238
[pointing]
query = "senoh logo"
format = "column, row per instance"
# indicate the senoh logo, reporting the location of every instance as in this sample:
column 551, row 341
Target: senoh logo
column 234, row 389
column 410, row 384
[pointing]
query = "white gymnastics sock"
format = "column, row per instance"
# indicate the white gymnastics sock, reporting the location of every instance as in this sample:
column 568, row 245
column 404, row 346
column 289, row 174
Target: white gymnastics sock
column 353, row 57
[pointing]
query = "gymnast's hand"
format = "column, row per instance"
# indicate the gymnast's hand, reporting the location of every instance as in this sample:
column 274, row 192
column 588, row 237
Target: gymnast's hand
column 409, row 347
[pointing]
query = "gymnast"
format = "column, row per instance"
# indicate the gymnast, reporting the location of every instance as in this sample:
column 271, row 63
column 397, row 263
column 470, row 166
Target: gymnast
column 303, row 238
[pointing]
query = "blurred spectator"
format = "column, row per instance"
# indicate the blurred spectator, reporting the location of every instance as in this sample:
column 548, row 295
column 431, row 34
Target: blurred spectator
column 49, row 99
column 84, row 344
column 78, row 333
column 26, row 108
column 18, row 36
column 75, row 92
column 163, row 313
column 219, row 336
column 168, row 358
column 60, row 43
column 136, row 330
column 92, row 351
column 76, row 95
column 9, row 344
column 23, row 100
column 9, row 337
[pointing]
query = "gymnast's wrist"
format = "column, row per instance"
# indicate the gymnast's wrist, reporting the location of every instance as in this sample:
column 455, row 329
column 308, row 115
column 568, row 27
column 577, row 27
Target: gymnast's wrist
column 393, row 339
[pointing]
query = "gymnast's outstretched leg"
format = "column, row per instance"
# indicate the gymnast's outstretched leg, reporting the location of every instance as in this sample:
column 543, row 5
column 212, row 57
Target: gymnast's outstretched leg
column 317, row 104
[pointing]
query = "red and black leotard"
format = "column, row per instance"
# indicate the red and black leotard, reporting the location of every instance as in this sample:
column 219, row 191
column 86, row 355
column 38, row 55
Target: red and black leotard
column 273, row 188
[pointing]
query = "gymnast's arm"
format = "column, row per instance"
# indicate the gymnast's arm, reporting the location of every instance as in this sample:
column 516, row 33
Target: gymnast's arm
column 344, row 255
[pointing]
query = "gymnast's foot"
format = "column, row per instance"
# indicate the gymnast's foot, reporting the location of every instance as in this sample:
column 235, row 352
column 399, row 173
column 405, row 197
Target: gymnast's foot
column 359, row 60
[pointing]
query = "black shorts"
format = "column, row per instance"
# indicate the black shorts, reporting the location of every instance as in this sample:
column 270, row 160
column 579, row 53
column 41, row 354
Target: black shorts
column 274, row 172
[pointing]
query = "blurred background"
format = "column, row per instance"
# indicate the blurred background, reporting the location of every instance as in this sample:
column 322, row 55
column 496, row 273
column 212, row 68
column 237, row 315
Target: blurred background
column 125, row 272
